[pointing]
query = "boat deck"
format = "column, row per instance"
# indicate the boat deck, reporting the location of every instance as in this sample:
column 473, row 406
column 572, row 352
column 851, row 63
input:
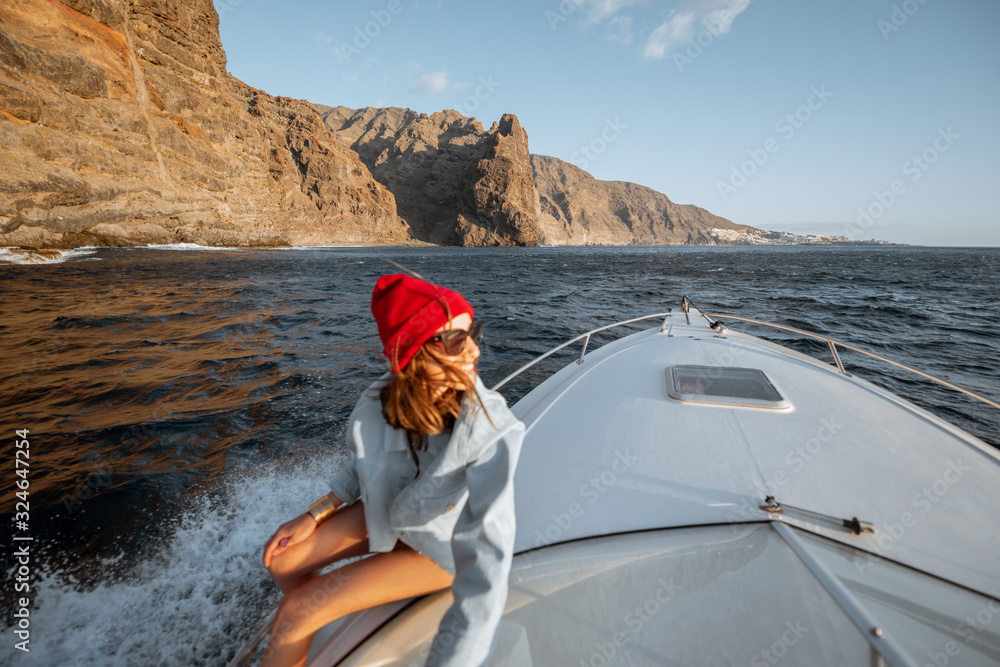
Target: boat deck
column 609, row 451
column 644, row 484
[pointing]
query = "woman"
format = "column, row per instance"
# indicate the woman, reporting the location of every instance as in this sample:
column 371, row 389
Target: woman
column 429, row 491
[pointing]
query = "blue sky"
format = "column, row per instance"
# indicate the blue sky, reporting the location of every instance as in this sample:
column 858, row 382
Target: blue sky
column 867, row 118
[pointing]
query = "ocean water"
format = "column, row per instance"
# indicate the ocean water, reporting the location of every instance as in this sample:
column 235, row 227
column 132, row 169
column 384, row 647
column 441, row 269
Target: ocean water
column 183, row 402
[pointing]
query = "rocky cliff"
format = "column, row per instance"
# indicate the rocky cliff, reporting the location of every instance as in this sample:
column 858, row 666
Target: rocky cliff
column 578, row 209
column 454, row 183
column 457, row 184
column 121, row 126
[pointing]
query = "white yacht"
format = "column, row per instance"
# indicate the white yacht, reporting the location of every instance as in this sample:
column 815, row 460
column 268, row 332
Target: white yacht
column 691, row 495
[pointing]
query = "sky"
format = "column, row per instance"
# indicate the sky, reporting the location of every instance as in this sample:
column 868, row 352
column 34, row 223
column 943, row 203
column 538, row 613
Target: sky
column 863, row 118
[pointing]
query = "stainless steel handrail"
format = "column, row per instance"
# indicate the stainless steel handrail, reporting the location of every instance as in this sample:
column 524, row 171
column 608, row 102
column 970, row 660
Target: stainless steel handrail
column 829, row 341
column 570, row 342
column 833, row 343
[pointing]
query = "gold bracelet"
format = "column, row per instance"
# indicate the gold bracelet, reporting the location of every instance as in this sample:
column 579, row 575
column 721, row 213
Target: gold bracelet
column 322, row 509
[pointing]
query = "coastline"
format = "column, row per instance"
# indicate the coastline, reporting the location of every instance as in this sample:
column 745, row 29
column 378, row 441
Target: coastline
column 33, row 256
column 40, row 253
column 21, row 255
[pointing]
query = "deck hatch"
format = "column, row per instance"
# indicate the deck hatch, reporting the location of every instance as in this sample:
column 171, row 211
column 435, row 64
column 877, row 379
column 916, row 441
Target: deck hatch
column 723, row 385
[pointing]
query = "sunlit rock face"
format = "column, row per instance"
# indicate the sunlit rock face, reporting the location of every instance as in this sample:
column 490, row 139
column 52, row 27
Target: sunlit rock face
column 454, row 183
column 577, row 209
column 458, row 184
column 121, row 126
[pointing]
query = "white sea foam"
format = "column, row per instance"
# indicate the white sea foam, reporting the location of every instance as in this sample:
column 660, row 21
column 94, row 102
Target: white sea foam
column 194, row 600
column 14, row 256
column 341, row 245
column 190, row 246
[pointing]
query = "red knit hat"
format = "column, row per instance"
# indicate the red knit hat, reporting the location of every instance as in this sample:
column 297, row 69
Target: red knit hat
column 409, row 311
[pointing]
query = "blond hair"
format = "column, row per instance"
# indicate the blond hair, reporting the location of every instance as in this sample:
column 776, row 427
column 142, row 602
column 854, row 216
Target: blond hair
column 422, row 405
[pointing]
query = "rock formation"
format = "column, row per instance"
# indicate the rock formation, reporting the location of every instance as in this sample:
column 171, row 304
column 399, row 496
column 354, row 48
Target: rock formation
column 454, row 183
column 457, row 184
column 578, row 209
column 121, row 126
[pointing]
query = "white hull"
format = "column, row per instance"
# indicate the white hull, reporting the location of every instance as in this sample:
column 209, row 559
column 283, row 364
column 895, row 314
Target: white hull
column 644, row 536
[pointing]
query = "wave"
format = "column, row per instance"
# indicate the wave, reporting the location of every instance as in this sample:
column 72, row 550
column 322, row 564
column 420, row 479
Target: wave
column 340, row 245
column 191, row 246
column 16, row 255
column 258, row 357
column 195, row 599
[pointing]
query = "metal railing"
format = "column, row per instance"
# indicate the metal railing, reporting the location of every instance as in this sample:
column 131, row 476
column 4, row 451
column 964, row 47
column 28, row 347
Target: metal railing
column 586, row 341
column 832, row 343
column 840, row 367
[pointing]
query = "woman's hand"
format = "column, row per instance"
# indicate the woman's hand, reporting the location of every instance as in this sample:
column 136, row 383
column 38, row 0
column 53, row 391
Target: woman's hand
column 288, row 535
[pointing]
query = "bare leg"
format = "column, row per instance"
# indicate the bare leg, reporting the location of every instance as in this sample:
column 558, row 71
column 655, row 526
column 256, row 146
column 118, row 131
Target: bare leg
column 344, row 535
column 402, row 573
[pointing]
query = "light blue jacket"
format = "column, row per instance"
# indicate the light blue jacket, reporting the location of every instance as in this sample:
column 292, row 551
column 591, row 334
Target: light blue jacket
column 459, row 511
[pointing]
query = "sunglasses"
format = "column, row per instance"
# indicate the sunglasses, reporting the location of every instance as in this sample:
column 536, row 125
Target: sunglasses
column 453, row 341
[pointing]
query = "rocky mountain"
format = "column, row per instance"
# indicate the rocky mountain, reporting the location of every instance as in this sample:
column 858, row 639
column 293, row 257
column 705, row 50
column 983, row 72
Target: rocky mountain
column 121, row 126
column 578, row 209
column 454, row 183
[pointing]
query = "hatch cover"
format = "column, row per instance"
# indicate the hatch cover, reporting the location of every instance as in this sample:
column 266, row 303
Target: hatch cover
column 724, row 385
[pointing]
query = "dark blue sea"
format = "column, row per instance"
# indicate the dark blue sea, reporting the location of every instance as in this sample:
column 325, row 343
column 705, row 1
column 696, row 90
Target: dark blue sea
column 181, row 403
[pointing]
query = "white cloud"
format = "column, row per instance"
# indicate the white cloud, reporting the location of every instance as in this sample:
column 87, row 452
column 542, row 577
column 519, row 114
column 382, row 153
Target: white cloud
column 620, row 30
column 341, row 56
column 673, row 32
column 686, row 19
column 432, row 82
column 411, row 69
column 719, row 16
column 598, row 10
column 715, row 16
